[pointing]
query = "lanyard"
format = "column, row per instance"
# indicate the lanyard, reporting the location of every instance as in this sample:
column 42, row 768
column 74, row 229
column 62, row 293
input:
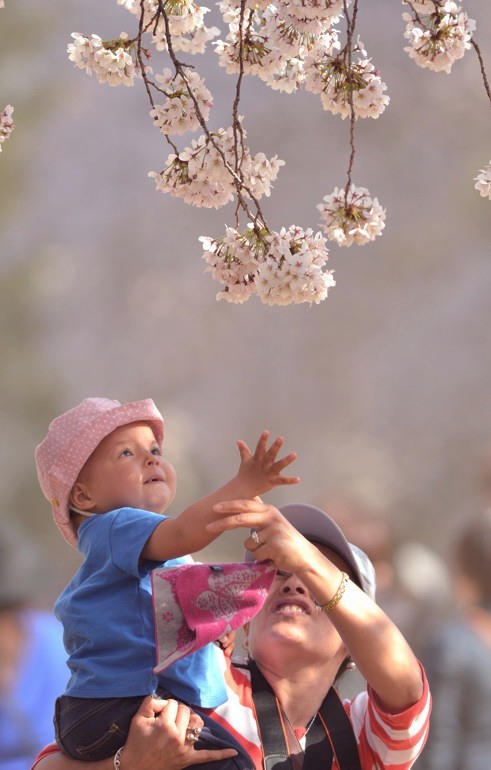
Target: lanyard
column 330, row 737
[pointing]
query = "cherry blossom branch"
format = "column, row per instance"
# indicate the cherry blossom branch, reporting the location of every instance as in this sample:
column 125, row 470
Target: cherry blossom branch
column 483, row 71
column 179, row 67
column 238, row 132
column 350, row 29
column 289, row 45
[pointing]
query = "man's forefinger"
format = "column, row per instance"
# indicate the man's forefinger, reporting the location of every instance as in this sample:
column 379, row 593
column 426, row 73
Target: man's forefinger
column 200, row 756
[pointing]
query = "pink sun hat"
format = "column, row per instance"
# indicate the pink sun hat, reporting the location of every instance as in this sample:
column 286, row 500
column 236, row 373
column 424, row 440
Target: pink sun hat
column 71, row 439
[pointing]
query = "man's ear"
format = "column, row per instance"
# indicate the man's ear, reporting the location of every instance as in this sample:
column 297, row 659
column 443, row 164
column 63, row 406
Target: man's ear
column 80, row 497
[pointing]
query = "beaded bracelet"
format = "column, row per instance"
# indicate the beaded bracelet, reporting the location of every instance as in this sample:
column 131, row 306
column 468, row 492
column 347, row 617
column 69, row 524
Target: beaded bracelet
column 338, row 595
column 117, row 759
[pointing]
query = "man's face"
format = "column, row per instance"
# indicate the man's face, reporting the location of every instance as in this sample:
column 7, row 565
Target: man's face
column 290, row 616
column 126, row 469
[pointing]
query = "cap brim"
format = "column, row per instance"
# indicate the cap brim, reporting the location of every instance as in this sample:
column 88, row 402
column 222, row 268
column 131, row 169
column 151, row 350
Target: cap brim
column 316, row 525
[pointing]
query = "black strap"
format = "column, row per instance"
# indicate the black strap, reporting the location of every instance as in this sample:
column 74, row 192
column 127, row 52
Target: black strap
column 331, row 734
column 340, row 732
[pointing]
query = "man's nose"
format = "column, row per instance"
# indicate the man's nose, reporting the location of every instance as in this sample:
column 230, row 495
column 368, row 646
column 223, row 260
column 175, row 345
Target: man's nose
column 293, row 585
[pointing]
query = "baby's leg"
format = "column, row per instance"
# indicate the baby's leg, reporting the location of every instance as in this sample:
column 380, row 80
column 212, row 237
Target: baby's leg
column 93, row 728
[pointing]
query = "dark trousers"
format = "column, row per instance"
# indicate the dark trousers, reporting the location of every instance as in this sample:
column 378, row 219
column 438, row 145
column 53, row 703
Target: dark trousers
column 91, row 729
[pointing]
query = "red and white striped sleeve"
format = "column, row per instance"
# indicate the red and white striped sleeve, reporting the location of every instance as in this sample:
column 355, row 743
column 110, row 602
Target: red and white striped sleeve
column 389, row 741
column 52, row 748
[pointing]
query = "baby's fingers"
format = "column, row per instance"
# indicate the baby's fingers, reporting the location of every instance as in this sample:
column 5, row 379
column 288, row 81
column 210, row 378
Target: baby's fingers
column 272, row 453
column 281, row 481
column 244, row 451
column 261, row 449
column 284, row 461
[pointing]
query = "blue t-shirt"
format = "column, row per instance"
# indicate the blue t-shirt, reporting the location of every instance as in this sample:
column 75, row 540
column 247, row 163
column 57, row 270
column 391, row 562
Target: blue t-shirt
column 107, row 616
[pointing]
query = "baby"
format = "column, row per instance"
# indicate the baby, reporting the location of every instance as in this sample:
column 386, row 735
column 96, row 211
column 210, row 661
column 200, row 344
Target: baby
column 101, row 467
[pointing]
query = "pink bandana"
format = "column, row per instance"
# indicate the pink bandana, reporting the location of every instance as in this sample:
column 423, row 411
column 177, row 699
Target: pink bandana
column 195, row 604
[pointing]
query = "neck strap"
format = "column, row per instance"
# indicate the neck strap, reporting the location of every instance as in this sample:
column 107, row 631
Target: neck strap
column 330, row 737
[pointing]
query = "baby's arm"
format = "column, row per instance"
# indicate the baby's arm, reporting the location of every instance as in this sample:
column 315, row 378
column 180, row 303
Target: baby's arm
column 258, row 473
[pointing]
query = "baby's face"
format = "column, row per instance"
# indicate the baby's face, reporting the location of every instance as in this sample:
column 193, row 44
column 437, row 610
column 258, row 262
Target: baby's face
column 126, row 469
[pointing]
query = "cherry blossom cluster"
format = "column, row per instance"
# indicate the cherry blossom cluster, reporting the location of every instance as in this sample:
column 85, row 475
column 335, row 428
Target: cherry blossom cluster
column 178, row 114
column 439, row 33
column 289, row 45
column 6, row 122
column 271, row 42
column 483, row 181
column 345, row 85
column 208, row 172
column 183, row 22
column 351, row 216
column 281, row 268
column 110, row 61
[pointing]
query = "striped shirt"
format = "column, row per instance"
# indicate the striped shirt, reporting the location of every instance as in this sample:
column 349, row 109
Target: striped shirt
column 385, row 741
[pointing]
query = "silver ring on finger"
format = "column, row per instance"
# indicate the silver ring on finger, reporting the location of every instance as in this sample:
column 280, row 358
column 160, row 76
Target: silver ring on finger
column 193, row 734
column 255, row 537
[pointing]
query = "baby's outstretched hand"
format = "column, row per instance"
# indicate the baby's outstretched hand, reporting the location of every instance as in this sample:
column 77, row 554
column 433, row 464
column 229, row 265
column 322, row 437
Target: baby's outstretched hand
column 262, row 470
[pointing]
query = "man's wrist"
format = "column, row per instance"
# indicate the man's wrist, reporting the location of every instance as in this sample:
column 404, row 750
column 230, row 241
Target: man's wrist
column 117, row 759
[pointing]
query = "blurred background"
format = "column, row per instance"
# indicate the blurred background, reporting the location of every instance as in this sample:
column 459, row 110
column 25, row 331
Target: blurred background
column 384, row 389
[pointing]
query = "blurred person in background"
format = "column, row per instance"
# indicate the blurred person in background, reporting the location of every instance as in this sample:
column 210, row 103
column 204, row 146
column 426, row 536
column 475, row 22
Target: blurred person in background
column 458, row 660
column 32, row 656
